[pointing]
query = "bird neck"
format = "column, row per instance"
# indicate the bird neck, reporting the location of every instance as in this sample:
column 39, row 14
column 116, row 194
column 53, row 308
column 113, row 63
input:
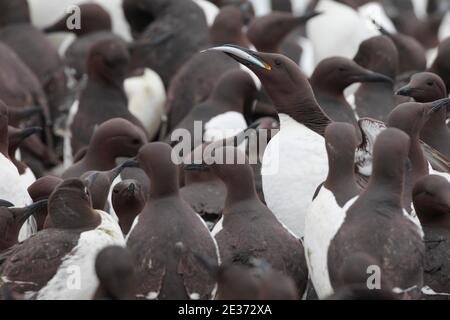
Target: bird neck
column 341, row 179
column 387, row 187
column 435, row 126
column 164, row 184
column 245, row 192
column 307, row 111
column 99, row 157
column 417, row 157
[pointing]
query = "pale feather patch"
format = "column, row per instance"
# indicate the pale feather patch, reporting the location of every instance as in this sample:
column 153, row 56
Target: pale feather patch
column 28, row 178
column 262, row 7
column 112, row 212
column 67, row 149
column 224, row 126
column 306, row 62
column 294, row 164
column 323, row 220
column 444, row 175
column 217, row 228
column 364, row 154
column 146, row 99
column 194, row 296
column 430, row 292
column 374, row 10
column 444, row 30
column 209, row 9
column 338, row 24
column 83, row 257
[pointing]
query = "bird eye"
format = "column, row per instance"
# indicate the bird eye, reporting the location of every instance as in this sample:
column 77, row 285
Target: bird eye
column 115, row 190
column 341, row 69
column 278, row 62
column 430, row 83
column 136, row 141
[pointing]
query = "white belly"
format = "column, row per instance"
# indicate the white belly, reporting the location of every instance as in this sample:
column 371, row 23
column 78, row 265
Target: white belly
column 12, row 188
column 338, row 24
column 209, row 9
column 444, row 30
column 323, row 220
column 146, row 100
column 294, row 165
column 112, row 212
column 81, row 261
column 262, row 7
column 28, row 178
column 224, row 126
column 67, row 151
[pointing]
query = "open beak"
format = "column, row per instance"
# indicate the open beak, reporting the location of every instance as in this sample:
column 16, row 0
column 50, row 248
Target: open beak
column 244, row 56
column 439, row 104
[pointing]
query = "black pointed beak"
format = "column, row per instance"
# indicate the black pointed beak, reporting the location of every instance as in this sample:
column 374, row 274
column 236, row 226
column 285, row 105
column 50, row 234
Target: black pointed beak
column 131, row 188
column 7, row 204
column 196, row 167
column 244, row 56
column 371, row 77
column 25, row 112
column 22, row 214
column 25, row 133
column 440, row 104
column 16, row 139
column 405, row 91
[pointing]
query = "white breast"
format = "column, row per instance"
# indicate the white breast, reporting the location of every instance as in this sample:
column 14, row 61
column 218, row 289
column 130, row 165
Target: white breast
column 217, row 228
column 28, row 178
column 336, row 25
column 444, row 30
column 67, row 152
column 209, row 9
column 30, row 226
column 82, row 259
column 12, row 188
column 146, row 100
column 375, row 10
column 442, row 174
column 306, row 62
column 112, row 212
column 224, row 126
column 262, row 7
column 294, row 165
column 323, row 220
